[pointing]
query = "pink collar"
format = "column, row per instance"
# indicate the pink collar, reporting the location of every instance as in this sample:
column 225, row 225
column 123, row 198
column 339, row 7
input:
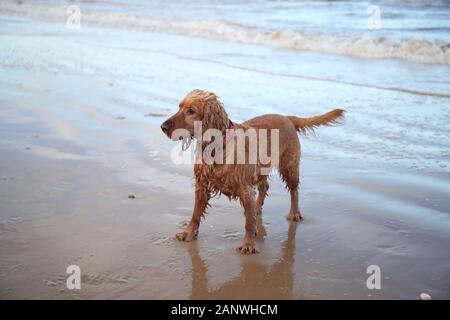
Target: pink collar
column 230, row 132
column 229, row 136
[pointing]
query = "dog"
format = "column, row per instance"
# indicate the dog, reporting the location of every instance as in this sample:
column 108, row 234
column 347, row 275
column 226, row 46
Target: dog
column 203, row 110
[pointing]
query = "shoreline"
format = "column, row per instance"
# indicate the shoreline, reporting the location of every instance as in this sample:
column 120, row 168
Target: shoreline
column 367, row 44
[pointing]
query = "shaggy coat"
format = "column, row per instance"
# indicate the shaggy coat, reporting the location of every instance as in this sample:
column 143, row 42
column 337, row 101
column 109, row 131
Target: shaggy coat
column 239, row 180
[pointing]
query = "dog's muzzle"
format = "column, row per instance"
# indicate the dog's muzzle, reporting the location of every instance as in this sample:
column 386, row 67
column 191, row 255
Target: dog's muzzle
column 165, row 127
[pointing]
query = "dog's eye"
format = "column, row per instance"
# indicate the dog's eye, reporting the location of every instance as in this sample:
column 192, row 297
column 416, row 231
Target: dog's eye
column 190, row 111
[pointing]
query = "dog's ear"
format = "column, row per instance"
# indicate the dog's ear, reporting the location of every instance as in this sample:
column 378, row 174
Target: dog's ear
column 214, row 116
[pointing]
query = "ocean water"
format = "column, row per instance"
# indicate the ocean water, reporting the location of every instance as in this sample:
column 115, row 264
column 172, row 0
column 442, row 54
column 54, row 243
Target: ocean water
column 410, row 30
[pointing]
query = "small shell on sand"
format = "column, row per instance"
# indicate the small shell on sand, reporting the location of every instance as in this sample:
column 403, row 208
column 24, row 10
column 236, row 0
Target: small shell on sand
column 425, row 296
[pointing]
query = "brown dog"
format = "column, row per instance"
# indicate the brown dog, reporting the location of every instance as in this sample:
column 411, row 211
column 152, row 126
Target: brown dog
column 238, row 180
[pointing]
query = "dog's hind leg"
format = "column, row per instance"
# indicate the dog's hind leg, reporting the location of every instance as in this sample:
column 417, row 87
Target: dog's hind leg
column 290, row 173
column 263, row 186
column 201, row 202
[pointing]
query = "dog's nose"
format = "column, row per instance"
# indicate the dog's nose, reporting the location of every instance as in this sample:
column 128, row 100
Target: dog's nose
column 165, row 127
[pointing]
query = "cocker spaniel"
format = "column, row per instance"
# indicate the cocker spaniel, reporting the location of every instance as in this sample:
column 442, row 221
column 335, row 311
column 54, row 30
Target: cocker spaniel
column 232, row 158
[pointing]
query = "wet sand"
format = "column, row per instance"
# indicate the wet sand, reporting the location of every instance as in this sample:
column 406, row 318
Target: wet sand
column 75, row 145
column 59, row 209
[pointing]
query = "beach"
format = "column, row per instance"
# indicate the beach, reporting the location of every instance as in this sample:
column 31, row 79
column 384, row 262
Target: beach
column 88, row 177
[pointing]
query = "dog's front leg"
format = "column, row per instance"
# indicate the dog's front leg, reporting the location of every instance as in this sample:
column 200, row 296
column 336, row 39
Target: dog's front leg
column 247, row 198
column 201, row 201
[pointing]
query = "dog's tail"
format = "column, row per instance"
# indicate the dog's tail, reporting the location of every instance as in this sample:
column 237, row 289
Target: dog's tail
column 305, row 125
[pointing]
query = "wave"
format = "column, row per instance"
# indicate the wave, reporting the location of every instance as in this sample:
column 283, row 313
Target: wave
column 365, row 46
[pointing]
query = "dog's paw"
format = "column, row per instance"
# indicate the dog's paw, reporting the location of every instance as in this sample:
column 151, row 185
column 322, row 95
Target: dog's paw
column 247, row 248
column 296, row 217
column 186, row 236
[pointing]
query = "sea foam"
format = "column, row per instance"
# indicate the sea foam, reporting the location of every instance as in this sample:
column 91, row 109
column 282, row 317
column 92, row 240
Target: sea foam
column 415, row 49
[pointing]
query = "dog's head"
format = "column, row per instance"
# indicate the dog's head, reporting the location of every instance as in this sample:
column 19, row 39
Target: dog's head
column 198, row 106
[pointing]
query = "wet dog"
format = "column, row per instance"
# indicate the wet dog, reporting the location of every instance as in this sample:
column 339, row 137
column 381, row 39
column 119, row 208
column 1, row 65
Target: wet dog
column 216, row 174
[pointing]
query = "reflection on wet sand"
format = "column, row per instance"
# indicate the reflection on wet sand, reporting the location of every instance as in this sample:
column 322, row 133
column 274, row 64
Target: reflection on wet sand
column 278, row 278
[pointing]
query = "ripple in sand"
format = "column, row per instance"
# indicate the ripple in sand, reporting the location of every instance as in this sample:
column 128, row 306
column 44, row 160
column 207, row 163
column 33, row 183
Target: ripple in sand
column 105, row 277
column 182, row 224
column 9, row 225
column 232, row 235
column 162, row 240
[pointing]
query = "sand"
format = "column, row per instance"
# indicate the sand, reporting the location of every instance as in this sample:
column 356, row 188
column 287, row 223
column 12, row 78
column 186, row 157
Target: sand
column 79, row 121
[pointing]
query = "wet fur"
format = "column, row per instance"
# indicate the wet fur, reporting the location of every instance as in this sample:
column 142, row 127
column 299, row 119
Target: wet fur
column 239, row 181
